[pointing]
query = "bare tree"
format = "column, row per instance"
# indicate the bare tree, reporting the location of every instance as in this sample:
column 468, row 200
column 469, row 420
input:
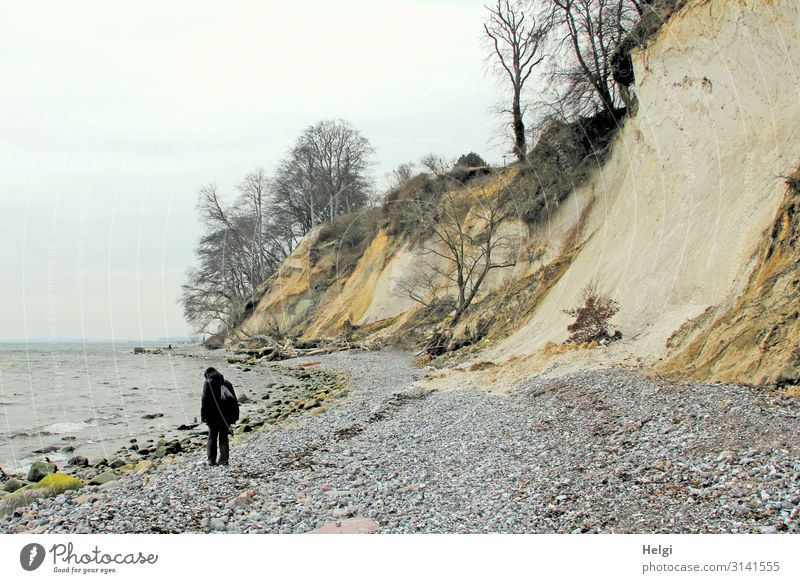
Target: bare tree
column 465, row 244
column 324, row 175
column 400, row 175
column 241, row 246
column 436, row 165
column 341, row 160
column 254, row 193
column 586, row 34
column 296, row 196
column 214, row 287
column 517, row 40
column 422, row 286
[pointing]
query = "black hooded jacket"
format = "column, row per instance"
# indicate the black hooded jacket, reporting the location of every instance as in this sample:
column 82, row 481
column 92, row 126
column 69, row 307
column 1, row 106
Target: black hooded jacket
column 215, row 410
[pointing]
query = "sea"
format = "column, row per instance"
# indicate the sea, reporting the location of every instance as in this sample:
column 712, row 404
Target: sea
column 62, row 399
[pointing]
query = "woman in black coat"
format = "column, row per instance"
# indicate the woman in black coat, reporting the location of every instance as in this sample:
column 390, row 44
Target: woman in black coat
column 219, row 410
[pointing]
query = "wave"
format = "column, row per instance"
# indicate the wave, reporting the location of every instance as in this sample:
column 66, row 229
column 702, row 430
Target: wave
column 65, row 427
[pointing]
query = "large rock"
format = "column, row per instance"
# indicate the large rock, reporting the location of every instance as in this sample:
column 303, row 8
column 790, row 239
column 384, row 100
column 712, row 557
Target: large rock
column 358, row 525
column 164, row 447
column 21, row 497
column 78, row 460
column 54, row 484
column 100, row 479
column 143, row 466
column 117, row 463
column 39, row 470
column 13, row 485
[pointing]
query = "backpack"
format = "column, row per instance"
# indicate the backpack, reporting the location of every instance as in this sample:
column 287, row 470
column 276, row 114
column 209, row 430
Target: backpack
column 229, row 405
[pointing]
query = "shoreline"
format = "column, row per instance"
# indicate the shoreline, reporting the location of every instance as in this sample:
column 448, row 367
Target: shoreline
column 596, row 451
column 261, row 407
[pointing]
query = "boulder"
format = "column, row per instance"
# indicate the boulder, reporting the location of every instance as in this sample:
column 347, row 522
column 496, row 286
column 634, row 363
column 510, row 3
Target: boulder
column 13, row 485
column 21, row 497
column 164, row 447
column 39, row 470
column 143, row 466
column 54, row 484
column 117, row 463
column 78, row 460
column 105, row 477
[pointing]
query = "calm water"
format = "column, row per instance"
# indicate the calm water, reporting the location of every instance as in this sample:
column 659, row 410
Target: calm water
column 95, row 397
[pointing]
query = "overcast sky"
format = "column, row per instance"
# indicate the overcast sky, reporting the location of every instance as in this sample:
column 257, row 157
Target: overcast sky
column 112, row 115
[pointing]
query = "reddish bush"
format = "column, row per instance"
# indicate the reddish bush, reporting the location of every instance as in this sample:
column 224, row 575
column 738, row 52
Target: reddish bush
column 592, row 316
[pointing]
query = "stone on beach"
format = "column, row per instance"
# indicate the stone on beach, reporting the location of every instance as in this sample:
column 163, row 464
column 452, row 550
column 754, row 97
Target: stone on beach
column 103, row 478
column 58, row 483
column 13, row 485
column 39, row 470
column 78, row 460
column 143, row 466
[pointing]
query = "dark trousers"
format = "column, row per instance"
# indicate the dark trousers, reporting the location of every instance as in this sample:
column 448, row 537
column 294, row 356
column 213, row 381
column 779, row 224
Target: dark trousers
column 214, row 434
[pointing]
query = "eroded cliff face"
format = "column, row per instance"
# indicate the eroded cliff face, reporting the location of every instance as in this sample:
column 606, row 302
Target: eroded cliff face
column 694, row 181
column 677, row 225
column 757, row 340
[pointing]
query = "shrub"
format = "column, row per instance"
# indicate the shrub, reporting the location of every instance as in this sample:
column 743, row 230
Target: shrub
column 592, row 316
column 399, row 205
column 562, row 159
column 470, row 160
column 350, row 231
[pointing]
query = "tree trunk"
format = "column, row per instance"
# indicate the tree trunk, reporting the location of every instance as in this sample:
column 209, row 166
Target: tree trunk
column 520, row 146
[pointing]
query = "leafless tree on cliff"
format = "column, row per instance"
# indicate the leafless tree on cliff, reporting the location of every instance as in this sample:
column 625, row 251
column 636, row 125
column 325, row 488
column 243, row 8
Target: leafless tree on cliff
column 400, row 175
column 240, row 247
column 584, row 37
column 516, row 39
column 465, row 242
column 325, row 174
column 270, row 237
column 422, row 286
column 216, row 283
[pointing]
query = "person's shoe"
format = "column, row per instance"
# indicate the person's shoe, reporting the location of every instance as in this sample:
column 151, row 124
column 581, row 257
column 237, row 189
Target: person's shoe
column 210, row 463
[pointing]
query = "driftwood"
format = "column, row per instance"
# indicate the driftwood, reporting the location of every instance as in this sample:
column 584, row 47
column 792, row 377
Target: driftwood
column 287, row 350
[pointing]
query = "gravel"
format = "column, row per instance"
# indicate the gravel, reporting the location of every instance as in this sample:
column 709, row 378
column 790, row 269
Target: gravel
column 596, row 451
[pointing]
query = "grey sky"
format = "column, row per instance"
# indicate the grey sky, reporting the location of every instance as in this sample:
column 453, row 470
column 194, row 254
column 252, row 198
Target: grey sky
column 114, row 114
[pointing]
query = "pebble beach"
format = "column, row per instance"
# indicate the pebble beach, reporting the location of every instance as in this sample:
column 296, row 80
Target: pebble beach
column 597, row 451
